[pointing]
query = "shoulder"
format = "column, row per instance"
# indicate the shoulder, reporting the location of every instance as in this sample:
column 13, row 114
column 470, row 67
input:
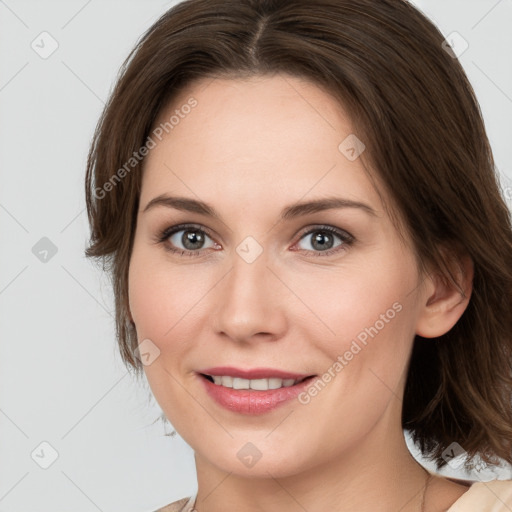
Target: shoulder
column 176, row 506
column 495, row 496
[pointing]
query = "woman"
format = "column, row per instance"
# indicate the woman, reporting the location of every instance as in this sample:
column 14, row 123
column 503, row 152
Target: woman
column 310, row 254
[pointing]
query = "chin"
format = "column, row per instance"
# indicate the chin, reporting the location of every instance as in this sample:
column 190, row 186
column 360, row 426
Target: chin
column 258, row 460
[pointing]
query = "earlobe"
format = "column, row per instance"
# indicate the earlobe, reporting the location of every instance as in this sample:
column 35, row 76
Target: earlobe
column 445, row 300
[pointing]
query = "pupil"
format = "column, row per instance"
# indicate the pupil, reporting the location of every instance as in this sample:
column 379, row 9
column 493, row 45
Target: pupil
column 192, row 240
column 323, row 240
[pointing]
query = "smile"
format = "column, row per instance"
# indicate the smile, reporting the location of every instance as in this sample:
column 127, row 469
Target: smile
column 252, row 391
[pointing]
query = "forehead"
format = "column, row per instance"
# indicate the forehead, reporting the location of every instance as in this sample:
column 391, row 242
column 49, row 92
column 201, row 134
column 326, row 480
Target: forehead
column 249, row 136
column 254, row 111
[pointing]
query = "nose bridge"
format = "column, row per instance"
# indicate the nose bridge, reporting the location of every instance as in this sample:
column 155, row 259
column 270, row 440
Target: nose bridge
column 248, row 303
column 249, row 276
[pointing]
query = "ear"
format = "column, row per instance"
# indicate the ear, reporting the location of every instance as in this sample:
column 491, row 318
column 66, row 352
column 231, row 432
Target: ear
column 444, row 301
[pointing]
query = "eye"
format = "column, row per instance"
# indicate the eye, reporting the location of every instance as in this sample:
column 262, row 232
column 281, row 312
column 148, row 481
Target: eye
column 325, row 240
column 190, row 240
column 186, row 239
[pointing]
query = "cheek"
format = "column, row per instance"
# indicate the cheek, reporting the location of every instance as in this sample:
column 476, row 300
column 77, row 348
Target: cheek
column 352, row 303
column 163, row 298
column 148, row 303
column 363, row 324
column 162, row 306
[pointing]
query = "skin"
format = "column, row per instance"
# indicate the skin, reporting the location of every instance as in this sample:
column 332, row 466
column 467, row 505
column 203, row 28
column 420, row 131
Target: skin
column 249, row 148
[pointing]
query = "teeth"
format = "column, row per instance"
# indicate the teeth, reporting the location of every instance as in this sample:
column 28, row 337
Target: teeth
column 261, row 384
column 227, row 382
column 240, row 383
column 256, row 384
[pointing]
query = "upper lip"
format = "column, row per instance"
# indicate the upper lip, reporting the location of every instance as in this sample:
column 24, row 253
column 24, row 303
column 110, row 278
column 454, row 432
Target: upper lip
column 253, row 373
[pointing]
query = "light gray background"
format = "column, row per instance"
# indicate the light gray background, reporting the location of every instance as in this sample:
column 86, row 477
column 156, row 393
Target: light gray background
column 61, row 380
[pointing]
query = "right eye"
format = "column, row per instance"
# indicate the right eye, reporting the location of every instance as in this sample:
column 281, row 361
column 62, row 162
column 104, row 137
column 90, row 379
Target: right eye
column 186, row 240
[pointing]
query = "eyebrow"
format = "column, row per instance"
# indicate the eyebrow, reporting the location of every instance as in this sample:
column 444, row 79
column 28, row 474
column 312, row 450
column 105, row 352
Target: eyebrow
column 289, row 212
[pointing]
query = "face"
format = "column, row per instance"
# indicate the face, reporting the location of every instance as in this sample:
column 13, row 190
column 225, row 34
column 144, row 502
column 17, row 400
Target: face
column 239, row 279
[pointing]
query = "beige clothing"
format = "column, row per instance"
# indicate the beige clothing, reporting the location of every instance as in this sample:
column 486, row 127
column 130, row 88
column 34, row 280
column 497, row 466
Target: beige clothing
column 494, row 496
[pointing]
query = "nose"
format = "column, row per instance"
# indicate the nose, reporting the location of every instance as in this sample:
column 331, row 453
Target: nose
column 251, row 302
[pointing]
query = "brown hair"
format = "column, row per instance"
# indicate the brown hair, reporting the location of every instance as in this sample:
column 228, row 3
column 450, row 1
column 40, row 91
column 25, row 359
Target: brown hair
column 413, row 106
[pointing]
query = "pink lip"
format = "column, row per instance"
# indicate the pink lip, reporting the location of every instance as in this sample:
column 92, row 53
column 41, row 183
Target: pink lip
column 250, row 401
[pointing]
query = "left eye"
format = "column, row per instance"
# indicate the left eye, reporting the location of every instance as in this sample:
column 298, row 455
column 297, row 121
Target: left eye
column 322, row 239
column 192, row 239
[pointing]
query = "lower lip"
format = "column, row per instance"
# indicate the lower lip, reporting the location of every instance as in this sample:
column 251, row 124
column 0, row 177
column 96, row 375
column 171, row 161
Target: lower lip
column 250, row 401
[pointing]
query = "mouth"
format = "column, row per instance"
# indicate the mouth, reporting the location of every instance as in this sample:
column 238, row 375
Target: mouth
column 252, row 391
column 228, row 381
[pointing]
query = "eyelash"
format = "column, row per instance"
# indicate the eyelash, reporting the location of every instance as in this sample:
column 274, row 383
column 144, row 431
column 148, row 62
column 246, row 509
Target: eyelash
column 346, row 238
